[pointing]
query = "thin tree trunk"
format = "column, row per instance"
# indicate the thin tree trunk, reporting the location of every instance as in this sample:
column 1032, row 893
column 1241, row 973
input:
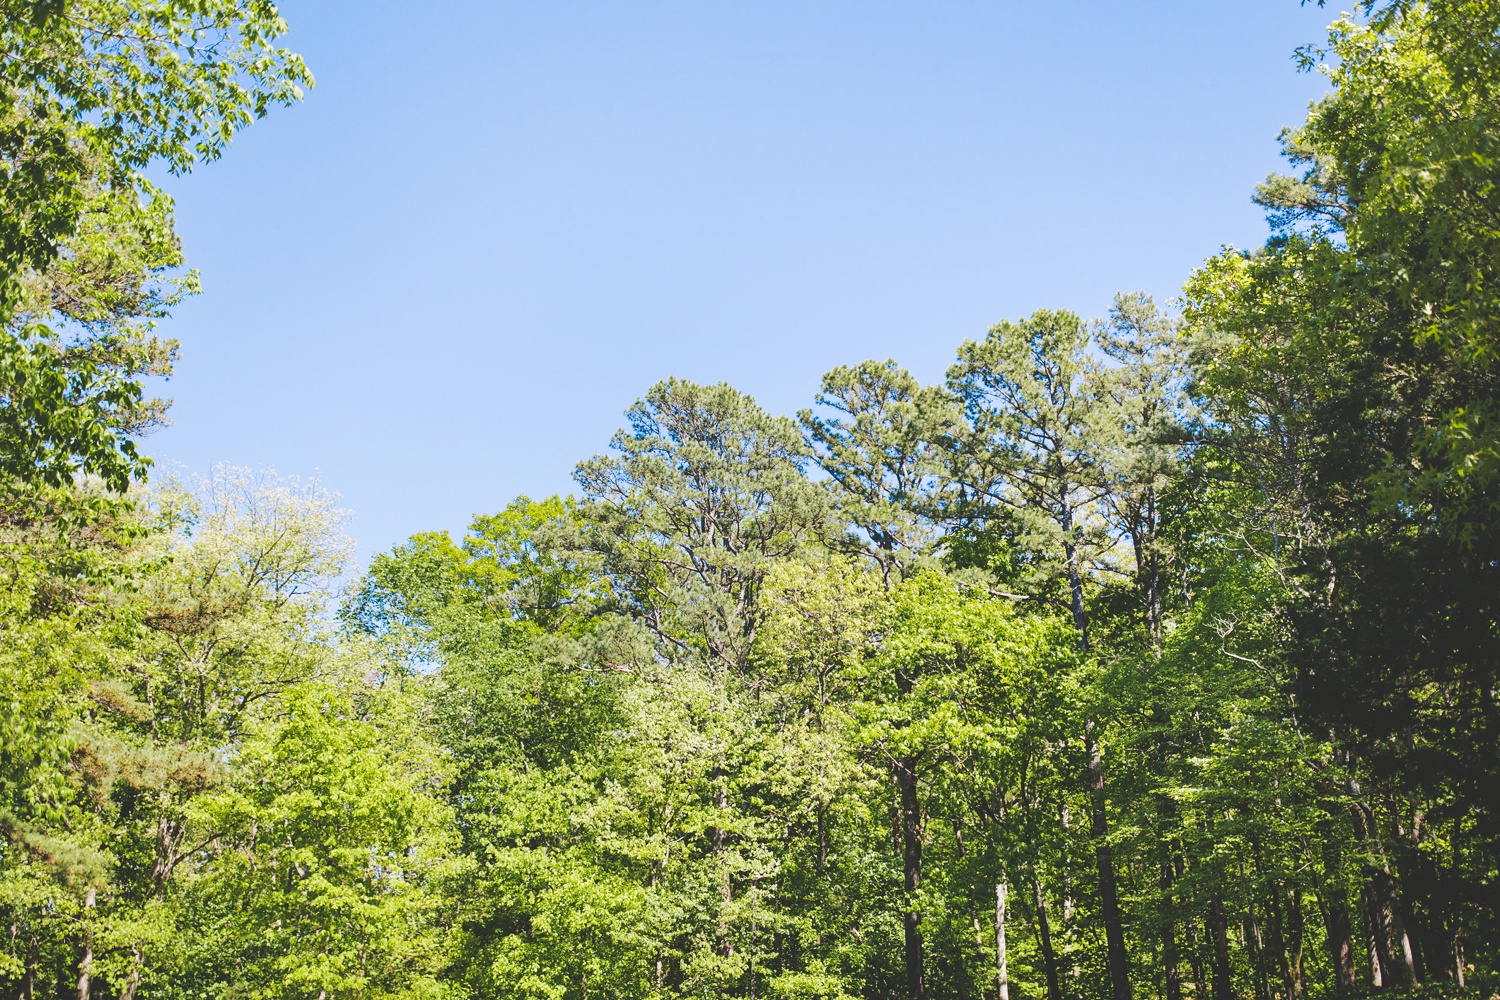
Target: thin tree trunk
column 1195, row 960
column 134, row 982
column 1398, row 916
column 1377, row 975
column 1153, row 573
column 1075, row 575
column 1114, row 928
column 1296, row 935
column 1255, row 940
column 1274, row 932
column 655, row 867
column 1377, row 945
column 1276, row 942
column 721, row 803
column 822, row 838
column 86, row 965
column 1340, row 936
column 720, row 847
column 1169, row 932
column 1067, row 888
column 1383, row 970
column 1143, row 538
column 1218, row 932
column 1044, row 941
column 1000, row 970
column 911, row 838
column 1417, row 937
column 1393, row 946
column 1075, row 589
column 1388, row 967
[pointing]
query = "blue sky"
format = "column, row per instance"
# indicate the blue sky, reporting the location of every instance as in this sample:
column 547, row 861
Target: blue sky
column 438, row 282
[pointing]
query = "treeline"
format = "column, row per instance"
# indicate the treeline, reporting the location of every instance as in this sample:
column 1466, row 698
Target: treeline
column 1151, row 656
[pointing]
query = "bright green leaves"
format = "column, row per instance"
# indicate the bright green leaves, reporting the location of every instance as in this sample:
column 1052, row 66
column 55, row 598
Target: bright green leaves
column 79, row 341
column 1348, row 373
column 1402, row 160
column 64, row 418
column 328, row 851
column 514, row 573
column 202, row 791
column 950, row 661
column 157, row 79
column 706, row 492
column 1181, row 631
column 524, row 556
column 879, row 445
column 91, row 92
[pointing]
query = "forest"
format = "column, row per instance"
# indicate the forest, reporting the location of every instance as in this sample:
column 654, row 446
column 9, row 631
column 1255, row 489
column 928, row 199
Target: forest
column 1148, row 656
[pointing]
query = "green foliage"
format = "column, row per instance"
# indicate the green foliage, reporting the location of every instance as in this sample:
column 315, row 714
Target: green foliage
column 330, row 855
column 706, row 494
column 1177, row 633
column 1349, row 368
column 203, row 794
column 132, row 82
column 884, row 464
column 91, row 93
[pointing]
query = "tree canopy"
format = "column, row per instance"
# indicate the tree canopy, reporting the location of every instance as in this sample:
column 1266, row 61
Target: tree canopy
column 1156, row 655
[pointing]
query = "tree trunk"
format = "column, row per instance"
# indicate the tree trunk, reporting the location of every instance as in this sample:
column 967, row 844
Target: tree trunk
column 1114, row 929
column 1372, row 946
column 1153, row 574
column 1296, row 935
column 1340, row 934
column 911, row 842
column 134, row 982
column 1384, row 963
column 1075, row 572
column 1276, row 942
column 1218, row 932
column 1401, row 924
column 1169, row 932
column 721, row 804
column 1143, row 540
column 726, row 880
column 1389, row 944
column 1044, row 941
column 1250, row 927
column 1000, row 971
column 86, row 965
column 1195, row 960
column 822, row 838
column 1388, row 966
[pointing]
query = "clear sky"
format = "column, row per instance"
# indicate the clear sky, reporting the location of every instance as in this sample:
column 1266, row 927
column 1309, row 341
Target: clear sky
column 438, row 282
